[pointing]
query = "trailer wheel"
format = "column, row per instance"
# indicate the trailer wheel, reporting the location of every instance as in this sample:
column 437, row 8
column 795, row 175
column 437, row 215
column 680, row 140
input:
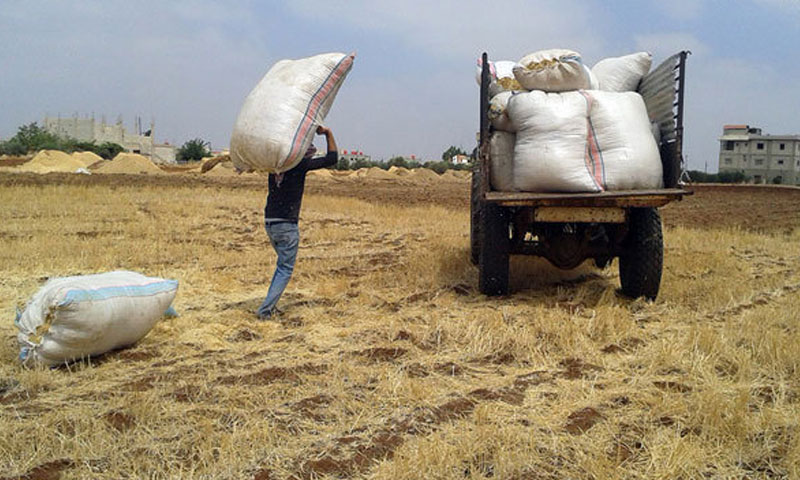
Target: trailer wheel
column 475, row 217
column 493, row 257
column 642, row 257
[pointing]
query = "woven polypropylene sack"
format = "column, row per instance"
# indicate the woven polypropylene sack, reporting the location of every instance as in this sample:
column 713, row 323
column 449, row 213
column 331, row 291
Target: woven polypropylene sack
column 549, row 154
column 584, row 141
column 630, row 156
column 498, row 114
column 70, row 318
column 277, row 121
column 501, row 148
column 622, row 74
column 556, row 70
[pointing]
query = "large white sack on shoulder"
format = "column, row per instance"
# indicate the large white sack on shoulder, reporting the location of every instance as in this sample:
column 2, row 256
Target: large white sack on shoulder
column 550, row 151
column 76, row 317
column 498, row 114
column 556, row 70
column 277, row 121
column 622, row 74
column 501, row 149
column 629, row 153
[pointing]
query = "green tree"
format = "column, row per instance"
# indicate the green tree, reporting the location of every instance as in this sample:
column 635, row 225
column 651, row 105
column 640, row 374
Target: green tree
column 194, row 150
column 361, row 163
column 438, row 167
column 32, row 137
column 399, row 162
column 108, row 150
column 343, row 164
column 452, row 152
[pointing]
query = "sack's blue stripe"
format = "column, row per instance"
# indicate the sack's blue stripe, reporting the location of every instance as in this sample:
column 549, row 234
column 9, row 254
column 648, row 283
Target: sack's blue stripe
column 121, row 291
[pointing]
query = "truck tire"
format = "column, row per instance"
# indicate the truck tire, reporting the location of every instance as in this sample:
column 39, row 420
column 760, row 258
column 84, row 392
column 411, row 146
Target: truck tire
column 642, row 257
column 475, row 217
column 493, row 258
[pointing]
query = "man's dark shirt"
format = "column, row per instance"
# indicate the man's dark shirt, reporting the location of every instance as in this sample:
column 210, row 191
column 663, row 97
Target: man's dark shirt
column 283, row 201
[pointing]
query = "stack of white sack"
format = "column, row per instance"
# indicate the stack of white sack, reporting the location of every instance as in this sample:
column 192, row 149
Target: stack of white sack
column 624, row 159
column 622, row 74
column 70, row 318
column 583, row 141
column 278, row 119
column 556, row 70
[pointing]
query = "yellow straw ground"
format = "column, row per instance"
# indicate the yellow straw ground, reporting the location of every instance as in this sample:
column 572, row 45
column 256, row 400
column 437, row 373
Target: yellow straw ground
column 387, row 362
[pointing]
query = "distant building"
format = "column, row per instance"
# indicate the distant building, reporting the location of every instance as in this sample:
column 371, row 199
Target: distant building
column 763, row 158
column 88, row 130
column 459, row 159
column 353, row 156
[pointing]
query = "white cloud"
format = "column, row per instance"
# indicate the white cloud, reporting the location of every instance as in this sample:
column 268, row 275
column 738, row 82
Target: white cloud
column 458, row 28
column 152, row 59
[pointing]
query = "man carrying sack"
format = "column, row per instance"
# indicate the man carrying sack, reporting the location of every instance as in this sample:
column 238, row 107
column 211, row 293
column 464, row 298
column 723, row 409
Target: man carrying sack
column 282, row 214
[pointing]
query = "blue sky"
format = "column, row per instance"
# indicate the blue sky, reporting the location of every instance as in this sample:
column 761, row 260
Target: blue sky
column 189, row 64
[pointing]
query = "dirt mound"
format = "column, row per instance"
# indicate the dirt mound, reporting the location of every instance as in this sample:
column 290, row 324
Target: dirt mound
column 341, row 173
column 224, row 169
column 375, row 173
column 451, row 176
column 131, row 163
column 48, row 161
column 399, row 171
column 87, row 158
column 320, row 173
column 8, row 161
column 209, row 163
column 424, row 175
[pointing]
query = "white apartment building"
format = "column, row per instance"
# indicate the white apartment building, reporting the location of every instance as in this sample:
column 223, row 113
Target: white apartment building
column 762, row 158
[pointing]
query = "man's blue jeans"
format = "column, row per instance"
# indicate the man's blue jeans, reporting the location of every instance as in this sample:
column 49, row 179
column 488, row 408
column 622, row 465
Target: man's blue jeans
column 284, row 238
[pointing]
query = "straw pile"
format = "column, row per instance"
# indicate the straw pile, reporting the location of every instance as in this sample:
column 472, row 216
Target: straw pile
column 131, row 163
column 222, row 169
column 424, row 174
column 451, row 176
column 323, row 173
column 87, row 158
column 48, row 161
column 375, row 173
column 209, row 163
column 399, row 171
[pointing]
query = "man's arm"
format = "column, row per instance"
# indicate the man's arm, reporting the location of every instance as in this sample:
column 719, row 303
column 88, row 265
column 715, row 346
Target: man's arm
column 332, row 157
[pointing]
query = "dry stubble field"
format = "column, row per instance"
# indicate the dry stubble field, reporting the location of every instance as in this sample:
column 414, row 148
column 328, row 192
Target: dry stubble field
column 387, row 362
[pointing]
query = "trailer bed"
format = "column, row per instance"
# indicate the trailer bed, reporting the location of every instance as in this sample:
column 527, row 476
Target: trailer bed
column 622, row 198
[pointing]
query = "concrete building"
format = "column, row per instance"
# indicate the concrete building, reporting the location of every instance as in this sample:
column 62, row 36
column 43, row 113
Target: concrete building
column 88, row 130
column 353, row 156
column 762, row 158
column 460, row 159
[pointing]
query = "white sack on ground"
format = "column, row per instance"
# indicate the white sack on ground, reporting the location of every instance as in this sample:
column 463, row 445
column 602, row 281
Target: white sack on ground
column 622, row 74
column 585, row 141
column 279, row 117
column 498, row 114
column 555, row 70
column 501, row 169
column 76, row 317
